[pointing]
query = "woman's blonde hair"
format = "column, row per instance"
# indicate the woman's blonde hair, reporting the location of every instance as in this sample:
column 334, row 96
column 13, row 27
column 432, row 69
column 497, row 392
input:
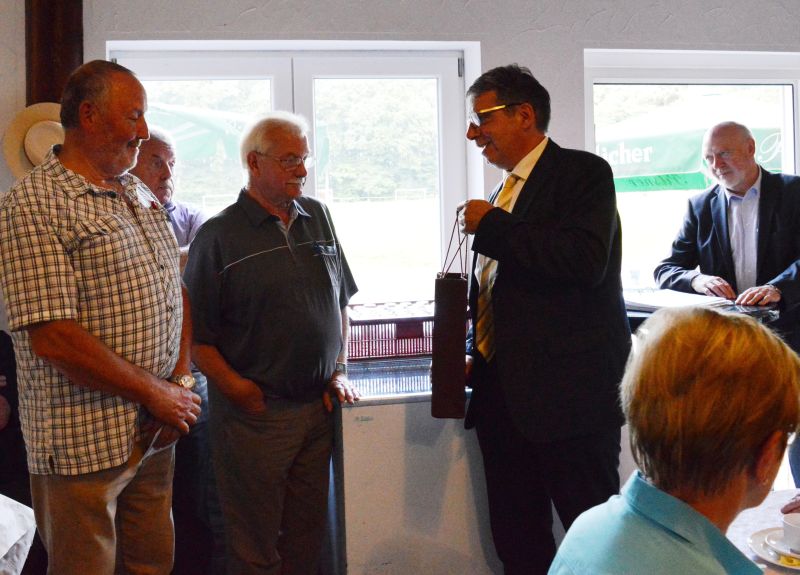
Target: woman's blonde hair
column 702, row 393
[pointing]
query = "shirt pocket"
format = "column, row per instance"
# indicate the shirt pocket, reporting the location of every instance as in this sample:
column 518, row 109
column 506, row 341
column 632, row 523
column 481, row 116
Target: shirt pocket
column 89, row 232
column 110, row 249
column 329, row 255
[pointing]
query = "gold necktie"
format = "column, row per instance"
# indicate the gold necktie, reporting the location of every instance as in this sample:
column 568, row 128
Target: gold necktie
column 484, row 329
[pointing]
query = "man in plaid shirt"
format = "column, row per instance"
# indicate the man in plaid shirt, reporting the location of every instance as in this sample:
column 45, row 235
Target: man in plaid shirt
column 101, row 330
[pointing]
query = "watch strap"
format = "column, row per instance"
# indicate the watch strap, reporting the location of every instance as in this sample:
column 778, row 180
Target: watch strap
column 184, row 380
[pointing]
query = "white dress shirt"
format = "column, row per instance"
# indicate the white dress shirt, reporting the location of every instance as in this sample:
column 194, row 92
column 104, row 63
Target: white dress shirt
column 743, row 234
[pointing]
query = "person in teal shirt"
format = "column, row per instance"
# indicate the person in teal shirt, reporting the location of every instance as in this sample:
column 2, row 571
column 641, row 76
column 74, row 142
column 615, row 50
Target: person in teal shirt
column 710, row 400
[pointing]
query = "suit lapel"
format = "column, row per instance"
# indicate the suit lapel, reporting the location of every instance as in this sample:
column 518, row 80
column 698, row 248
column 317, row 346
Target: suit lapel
column 766, row 211
column 541, row 173
column 719, row 215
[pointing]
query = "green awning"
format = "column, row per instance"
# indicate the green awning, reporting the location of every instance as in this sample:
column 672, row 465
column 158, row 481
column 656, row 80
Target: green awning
column 200, row 134
column 673, row 161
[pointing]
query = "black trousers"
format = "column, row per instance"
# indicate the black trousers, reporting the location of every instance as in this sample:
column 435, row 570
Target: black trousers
column 524, row 477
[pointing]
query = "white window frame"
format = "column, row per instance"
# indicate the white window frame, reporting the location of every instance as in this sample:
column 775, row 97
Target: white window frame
column 198, row 65
column 453, row 173
column 462, row 167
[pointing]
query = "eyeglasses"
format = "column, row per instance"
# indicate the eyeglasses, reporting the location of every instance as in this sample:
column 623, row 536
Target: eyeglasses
column 476, row 118
column 291, row 163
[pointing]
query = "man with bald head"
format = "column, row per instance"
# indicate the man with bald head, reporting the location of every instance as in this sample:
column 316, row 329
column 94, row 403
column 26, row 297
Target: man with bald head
column 740, row 239
column 96, row 310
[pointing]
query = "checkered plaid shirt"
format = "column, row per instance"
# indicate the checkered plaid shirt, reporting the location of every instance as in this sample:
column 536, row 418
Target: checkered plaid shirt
column 71, row 250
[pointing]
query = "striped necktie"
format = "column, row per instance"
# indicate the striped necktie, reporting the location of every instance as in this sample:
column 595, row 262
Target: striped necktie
column 484, row 329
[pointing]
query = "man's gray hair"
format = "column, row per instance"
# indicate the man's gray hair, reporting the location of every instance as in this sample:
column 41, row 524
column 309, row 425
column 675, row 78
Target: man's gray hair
column 258, row 137
column 160, row 134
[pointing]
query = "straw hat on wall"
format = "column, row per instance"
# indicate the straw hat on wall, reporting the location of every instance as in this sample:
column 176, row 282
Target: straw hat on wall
column 30, row 136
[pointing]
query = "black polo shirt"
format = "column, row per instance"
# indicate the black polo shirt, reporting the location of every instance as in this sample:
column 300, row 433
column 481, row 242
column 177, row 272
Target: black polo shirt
column 270, row 301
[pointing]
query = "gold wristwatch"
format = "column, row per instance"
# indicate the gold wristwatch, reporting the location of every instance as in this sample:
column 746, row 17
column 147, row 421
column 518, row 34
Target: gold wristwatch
column 186, row 381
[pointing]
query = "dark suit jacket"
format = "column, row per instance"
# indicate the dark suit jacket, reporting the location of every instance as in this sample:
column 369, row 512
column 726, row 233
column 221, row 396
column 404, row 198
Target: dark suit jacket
column 703, row 241
column 561, row 332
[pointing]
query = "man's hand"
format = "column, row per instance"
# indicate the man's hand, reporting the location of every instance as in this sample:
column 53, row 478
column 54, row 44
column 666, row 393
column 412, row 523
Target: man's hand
column 470, row 214
column 248, row 397
column 793, row 506
column 174, row 406
column 340, row 387
column 759, row 295
column 242, row 392
column 713, row 285
column 166, row 435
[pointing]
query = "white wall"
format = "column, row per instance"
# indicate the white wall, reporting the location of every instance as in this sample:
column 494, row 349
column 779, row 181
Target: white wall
column 547, row 35
column 12, row 71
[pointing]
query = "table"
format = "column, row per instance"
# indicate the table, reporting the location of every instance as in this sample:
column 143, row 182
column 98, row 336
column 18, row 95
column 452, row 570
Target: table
column 766, row 515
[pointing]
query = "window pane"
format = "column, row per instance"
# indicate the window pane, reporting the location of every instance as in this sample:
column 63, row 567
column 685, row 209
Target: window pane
column 652, row 136
column 377, row 149
column 206, row 119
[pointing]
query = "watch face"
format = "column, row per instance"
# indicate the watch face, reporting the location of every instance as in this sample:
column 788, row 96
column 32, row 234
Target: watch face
column 186, row 381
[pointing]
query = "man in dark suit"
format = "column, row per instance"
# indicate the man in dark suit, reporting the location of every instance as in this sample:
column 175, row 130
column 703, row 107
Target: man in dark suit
column 740, row 239
column 549, row 335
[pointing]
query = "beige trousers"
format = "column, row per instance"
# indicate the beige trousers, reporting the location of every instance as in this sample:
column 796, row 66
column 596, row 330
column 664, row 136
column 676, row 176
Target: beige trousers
column 113, row 521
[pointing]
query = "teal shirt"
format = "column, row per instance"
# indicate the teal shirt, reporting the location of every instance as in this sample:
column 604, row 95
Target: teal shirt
column 645, row 530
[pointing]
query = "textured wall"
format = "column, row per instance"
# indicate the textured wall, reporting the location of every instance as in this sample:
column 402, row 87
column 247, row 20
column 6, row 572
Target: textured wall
column 547, row 35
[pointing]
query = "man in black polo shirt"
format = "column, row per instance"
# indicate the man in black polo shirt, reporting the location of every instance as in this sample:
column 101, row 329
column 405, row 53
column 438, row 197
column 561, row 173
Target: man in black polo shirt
column 269, row 284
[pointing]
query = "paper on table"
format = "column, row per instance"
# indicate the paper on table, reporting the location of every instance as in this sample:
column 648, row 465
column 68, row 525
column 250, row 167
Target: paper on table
column 649, row 299
column 17, row 527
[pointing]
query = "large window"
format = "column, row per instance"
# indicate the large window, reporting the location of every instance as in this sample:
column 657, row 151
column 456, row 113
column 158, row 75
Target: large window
column 206, row 118
column 647, row 112
column 387, row 133
column 651, row 134
column 378, row 168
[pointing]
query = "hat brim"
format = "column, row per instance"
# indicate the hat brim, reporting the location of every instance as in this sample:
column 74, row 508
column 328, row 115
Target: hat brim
column 14, row 140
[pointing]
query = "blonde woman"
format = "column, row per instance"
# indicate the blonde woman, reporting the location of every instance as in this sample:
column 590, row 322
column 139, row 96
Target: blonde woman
column 710, row 400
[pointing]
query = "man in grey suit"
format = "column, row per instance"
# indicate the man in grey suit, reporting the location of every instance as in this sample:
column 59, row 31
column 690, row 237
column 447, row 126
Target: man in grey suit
column 549, row 336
